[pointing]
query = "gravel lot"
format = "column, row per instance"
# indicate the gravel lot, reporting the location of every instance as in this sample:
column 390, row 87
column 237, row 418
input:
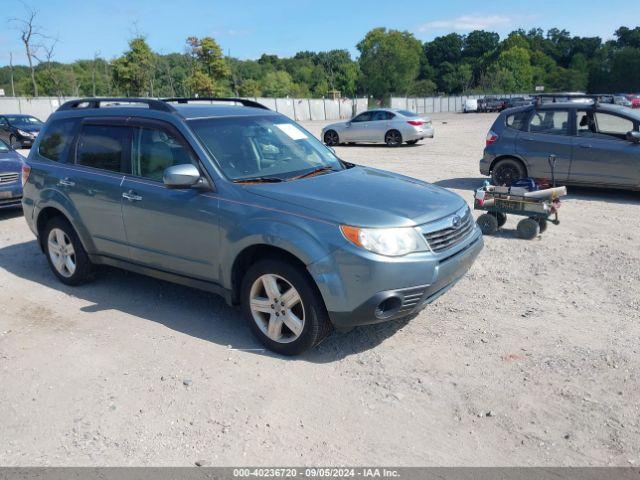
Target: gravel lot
column 533, row 359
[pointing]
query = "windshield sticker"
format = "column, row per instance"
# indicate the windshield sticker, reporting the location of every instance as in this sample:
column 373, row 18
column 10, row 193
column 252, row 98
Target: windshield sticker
column 292, row 131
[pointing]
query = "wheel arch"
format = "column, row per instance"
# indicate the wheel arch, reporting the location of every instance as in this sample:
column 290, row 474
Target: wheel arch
column 510, row 157
column 46, row 214
column 254, row 253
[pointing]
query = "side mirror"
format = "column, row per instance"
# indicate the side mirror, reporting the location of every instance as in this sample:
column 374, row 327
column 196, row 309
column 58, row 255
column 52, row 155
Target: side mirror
column 181, row 176
column 15, row 146
column 349, row 123
column 633, row 136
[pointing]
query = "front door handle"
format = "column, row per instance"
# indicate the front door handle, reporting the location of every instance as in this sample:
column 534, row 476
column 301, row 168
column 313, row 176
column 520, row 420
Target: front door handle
column 132, row 196
column 65, row 182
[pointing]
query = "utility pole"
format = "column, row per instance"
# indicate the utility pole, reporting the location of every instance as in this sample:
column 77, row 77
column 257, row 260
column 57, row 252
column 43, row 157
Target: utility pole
column 13, row 88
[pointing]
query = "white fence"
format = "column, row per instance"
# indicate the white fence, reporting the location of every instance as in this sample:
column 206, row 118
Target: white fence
column 299, row 109
column 439, row 104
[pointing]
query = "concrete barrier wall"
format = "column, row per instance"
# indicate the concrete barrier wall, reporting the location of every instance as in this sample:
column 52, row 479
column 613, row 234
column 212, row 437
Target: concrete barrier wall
column 440, row 104
column 300, row 109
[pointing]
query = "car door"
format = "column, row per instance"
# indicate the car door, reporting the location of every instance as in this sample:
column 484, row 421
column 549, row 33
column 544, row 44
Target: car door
column 602, row 153
column 4, row 129
column 94, row 183
column 379, row 125
column 173, row 230
column 356, row 130
column 547, row 133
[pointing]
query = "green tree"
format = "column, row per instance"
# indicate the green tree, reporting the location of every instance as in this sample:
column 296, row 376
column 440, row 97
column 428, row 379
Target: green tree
column 210, row 71
column 277, row 84
column 389, row 61
column 133, row 72
column 513, row 70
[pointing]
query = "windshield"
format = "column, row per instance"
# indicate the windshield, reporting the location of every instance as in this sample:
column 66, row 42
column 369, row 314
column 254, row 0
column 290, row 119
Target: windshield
column 255, row 147
column 23, row 121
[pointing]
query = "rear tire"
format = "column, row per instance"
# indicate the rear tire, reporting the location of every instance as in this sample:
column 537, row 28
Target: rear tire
column 528, row 228
column 488, row 223
column 507, row 171
column 393, row 138
column 273, row 286
column 66, row 256
column 331, row 138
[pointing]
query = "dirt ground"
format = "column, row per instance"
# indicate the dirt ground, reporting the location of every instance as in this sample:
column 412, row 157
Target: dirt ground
column 533, row 359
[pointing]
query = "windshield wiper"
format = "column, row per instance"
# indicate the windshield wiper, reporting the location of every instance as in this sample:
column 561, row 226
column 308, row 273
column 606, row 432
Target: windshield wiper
column 259, row 180
column 311, row 173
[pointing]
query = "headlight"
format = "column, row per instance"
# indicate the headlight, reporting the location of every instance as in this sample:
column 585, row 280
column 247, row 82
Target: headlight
column 392, row 242
column 25, row 134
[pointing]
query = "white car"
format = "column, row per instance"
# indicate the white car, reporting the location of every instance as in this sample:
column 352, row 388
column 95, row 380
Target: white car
column 470, row 105
column 387, row 125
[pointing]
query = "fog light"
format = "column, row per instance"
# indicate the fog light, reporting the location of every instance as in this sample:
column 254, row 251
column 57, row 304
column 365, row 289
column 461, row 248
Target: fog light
column 388, row 307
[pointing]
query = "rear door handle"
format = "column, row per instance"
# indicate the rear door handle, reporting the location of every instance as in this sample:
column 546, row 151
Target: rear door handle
column 65, row 182
column 131, row 196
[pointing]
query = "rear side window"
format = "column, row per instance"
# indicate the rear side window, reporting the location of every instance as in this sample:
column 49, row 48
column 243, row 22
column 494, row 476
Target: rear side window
column 407, row 113
column 102, row 146
column 517, row 121
column 382, row 115
column 550, row 122
column 57, row 138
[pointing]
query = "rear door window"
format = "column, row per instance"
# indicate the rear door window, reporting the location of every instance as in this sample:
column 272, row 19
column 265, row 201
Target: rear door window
column 549, row 122
column 57, row 139
column 517, row 121
column 382, row 115
column 103, row 147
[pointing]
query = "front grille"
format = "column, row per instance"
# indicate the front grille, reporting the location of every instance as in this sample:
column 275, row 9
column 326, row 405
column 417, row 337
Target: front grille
column 9, row 177
column 449, row 237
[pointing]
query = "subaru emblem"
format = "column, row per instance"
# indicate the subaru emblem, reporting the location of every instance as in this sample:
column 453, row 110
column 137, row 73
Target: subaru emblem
column 455, row 221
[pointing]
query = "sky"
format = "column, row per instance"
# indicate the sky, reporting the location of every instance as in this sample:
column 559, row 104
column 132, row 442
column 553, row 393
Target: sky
column 248, row 28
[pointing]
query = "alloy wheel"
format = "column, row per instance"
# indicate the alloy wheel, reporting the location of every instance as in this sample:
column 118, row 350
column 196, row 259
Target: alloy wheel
column 393, row 138
column 61, row 252
column 277, row 308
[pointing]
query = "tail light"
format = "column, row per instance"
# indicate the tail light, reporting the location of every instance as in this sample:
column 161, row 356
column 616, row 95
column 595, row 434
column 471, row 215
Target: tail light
column 492, row 137
column 415, row 123
column 26, row 170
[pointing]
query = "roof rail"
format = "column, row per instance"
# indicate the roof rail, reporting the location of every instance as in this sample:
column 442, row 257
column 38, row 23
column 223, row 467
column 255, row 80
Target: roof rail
column 153, row 103
column 596, row 97
column 243, row 101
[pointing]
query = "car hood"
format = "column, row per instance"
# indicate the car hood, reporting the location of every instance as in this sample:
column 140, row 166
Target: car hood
column 30, row 128
column 363, row 196
column 10, row 162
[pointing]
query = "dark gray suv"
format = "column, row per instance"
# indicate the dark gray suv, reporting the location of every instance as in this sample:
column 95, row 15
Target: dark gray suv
column 593, row 144
column 242, row 201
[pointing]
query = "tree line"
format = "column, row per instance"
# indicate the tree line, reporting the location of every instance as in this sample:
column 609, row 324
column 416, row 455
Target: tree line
column 390, row 62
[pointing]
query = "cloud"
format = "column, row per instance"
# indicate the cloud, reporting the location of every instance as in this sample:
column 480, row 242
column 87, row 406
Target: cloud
column 469, row 22
column 231, row 32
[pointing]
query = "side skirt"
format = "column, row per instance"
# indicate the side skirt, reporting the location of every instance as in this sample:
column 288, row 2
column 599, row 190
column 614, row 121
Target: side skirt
column 162, row 275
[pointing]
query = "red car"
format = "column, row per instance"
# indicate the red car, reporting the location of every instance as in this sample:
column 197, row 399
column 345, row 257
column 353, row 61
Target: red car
column 635, row 100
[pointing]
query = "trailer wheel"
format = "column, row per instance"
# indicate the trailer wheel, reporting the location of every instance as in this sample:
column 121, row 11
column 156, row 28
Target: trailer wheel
column 500, row 217
column 543, row 224
column 488, row 224
column 528, row 229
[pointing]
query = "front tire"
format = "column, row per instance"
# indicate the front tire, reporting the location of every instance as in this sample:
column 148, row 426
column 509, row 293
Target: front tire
column 331, row 138
column 412, row 142
column 66, row 256
column 488, row 224
column 507, row 171
column 528, row 228
column 393, row 138
column 283, row 307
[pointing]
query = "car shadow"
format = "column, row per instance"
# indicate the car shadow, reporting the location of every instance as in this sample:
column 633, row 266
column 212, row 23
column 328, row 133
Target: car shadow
column 378, row 145
column 607, row 195
column 468, row 183
column 192, row 312
column 8, row 213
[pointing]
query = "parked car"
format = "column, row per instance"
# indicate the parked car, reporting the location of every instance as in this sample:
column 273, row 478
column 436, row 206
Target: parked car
column 490, row 104
column 242, row 201
column 391, row 126
column 622, row 100
column 19, row 129
column 635, row 100
column 470, row 105
column 517, row 102
column 10, row 185
column 593, row 144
